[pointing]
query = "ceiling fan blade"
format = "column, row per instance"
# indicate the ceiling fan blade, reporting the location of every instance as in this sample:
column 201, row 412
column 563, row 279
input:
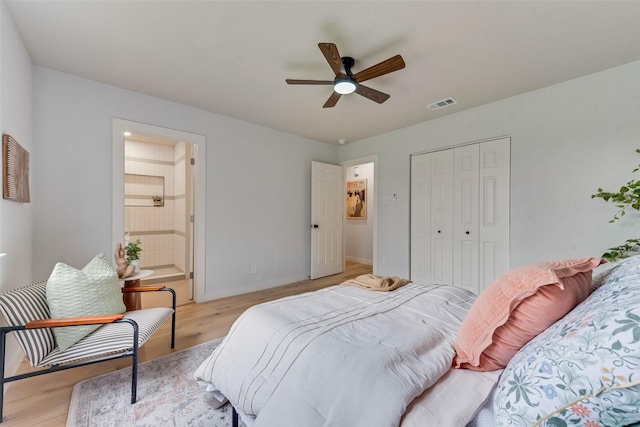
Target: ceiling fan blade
column 309, row 82
column 371, row 94
column 380, row 69
column 330, row 52
column 332, row 101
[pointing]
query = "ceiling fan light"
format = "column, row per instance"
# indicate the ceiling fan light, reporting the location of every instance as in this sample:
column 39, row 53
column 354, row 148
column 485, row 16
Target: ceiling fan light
column 344, row 86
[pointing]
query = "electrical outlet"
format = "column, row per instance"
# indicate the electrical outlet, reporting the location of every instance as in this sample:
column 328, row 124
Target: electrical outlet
column 254, row 269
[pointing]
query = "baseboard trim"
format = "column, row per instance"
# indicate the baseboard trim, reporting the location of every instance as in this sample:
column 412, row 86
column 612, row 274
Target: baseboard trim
column 359, row 260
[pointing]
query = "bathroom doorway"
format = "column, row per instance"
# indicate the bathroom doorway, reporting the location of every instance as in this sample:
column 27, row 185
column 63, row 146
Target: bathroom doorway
column 157, row 178
column 158, row 206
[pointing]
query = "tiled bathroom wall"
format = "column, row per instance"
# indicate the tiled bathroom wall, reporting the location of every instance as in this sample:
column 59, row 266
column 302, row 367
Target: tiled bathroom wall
column 161, row 229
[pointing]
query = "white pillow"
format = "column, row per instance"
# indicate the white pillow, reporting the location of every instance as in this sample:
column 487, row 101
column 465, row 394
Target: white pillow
column 92, row 291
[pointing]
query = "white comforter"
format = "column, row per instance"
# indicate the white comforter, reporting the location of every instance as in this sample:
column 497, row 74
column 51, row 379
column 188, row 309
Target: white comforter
column 341, row 356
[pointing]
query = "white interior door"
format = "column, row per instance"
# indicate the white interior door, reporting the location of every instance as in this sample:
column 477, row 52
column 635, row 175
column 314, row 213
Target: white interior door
column 421, row 218
column 327, row 211
column 441, row 206
column 465, row 217
column 432, row 217
column 495, row 190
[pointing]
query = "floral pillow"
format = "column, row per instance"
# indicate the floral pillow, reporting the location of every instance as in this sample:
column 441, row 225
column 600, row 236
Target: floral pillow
column 584, row 369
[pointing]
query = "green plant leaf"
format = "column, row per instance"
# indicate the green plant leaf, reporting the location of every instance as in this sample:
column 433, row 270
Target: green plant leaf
column 628, row 196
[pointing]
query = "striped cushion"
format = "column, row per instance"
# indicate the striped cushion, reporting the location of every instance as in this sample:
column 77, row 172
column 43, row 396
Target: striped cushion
column 23, row 305
column 112, row 337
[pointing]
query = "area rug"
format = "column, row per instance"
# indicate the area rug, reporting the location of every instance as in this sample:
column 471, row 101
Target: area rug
column 167, row 395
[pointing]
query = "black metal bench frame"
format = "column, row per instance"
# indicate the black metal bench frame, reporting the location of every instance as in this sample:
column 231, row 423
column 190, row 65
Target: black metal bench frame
column 132, row 352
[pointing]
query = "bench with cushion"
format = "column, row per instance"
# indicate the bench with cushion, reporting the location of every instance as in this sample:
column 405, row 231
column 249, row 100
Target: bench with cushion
column 28, row 316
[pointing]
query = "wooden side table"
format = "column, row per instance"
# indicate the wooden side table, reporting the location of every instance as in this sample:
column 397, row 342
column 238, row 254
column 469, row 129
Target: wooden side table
column 133, row 300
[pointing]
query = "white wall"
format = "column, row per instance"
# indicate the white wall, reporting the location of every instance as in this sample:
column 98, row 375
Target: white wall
column 257, row 190
column 566, row 141
column 358, row 233
column 16, row 119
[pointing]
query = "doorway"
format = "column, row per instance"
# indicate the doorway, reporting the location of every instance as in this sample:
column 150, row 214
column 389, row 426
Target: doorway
column 158, row 205
column 360, row 224
column 155, row 182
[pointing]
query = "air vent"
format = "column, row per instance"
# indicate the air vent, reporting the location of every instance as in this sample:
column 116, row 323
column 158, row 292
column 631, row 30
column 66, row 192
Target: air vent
column 441, row 104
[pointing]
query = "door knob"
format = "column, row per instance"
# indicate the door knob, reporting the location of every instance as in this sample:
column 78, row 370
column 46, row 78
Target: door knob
column 467, row 232
column 315, row 226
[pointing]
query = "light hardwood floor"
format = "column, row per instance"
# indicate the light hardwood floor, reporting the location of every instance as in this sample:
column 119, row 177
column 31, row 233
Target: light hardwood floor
column 44, row 400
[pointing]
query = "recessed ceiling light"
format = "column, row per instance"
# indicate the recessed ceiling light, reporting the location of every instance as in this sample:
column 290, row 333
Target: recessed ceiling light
column 342, row 141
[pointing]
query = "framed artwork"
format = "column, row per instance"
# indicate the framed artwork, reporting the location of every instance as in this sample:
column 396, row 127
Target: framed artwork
column 15, row 164
column 356, row 199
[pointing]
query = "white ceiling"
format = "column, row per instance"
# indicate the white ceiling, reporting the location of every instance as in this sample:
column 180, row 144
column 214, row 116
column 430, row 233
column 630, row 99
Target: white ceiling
column 232, row 57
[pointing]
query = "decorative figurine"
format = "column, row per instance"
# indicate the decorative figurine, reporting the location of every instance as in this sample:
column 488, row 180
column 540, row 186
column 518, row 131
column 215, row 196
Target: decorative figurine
column 124, row 268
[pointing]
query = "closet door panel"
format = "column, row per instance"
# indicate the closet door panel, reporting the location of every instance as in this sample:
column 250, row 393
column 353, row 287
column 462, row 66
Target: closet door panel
column 489, row 264
column 494, row 212
column 465, row 217
column 442, row 217
column 420, row 218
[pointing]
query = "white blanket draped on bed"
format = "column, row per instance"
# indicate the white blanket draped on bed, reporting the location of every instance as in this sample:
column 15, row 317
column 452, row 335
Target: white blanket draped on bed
column 341, row 356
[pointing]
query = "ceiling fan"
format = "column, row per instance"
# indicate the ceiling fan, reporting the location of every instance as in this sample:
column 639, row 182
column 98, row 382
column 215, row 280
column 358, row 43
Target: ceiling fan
column 345, row 81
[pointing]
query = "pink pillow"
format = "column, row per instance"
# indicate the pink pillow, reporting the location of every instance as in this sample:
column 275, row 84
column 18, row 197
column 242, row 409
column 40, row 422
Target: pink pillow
column 517, row 307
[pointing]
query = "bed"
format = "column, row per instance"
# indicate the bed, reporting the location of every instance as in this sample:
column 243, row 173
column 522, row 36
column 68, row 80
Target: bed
column 547, row 344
